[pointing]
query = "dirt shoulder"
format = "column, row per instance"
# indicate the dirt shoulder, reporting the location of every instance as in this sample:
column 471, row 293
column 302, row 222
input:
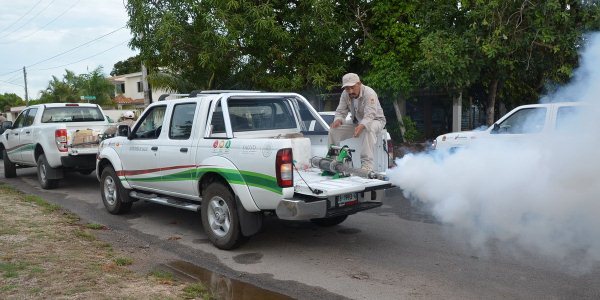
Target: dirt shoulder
column 46, row 252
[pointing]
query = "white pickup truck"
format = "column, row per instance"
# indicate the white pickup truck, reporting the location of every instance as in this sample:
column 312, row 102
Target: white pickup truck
column 54, row 137
column 235, row 156
column 522, row 123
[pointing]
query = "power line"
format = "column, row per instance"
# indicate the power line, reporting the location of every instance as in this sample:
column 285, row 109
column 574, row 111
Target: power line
column 29, row 21
column 44, row 26
column 12, row 83
column 65, row 52
column 71, row 63
column 19, row 19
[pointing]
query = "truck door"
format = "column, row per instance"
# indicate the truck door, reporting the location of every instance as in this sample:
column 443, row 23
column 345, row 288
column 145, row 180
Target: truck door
column 139, row 155
column 13, row 146
column 26, row 138
column 175, row 155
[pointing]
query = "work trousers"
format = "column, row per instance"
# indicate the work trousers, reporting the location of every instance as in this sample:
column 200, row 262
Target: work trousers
column 368, row 139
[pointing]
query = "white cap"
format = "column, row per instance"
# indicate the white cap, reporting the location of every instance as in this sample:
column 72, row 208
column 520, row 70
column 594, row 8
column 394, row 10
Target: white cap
column 350, row 79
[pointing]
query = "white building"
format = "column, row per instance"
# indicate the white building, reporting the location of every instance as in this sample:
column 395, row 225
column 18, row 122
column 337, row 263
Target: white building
column 129, row 90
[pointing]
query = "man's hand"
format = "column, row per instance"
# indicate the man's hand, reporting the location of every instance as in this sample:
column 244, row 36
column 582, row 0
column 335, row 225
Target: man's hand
column 358, row 130
column 336, row 123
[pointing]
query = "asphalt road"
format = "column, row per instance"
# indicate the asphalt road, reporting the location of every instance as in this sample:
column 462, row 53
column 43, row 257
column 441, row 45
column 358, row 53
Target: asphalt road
column 397, row 251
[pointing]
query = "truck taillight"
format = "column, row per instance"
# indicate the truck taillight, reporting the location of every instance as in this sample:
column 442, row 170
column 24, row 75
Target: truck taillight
column 60, row 136
column 390, row 153
column 284, row 168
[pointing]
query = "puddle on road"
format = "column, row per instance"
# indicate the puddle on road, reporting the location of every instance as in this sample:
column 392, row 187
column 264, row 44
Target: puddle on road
column 221, row 286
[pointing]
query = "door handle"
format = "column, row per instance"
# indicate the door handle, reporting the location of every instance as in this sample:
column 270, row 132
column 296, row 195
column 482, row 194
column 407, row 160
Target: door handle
column 28, row 132
column 17, row 133
column 183, row 150
column 154, row 148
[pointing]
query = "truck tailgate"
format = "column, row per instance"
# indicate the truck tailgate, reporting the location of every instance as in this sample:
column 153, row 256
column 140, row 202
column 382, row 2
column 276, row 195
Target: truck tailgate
column 329, row 186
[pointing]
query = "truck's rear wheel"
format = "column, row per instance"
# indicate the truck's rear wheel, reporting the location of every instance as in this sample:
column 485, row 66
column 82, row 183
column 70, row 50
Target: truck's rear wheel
column 10, row 169
column 114, row 196
column 42, row 173
column 328, row 222
column 219, row 217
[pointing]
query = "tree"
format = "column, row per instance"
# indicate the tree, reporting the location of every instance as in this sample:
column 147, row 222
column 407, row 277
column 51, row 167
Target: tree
column 130, row 65
column 10, row 100
column 269, row 45
column 72, row 87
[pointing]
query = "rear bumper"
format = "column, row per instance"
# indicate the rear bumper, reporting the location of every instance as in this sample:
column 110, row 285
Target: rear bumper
column 79, row 162
column 301, row 209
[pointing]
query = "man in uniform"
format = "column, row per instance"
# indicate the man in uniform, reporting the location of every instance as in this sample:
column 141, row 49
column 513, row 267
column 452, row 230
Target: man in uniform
column 367, row 116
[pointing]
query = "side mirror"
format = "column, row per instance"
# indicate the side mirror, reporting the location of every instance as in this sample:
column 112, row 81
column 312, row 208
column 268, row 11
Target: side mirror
column 495, row 128
column 124, row 130
column 6, row 125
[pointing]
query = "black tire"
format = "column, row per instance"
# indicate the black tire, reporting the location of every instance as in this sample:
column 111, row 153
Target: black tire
column 42, row 171
column 328, row 222
column 219, row 217
column 10, row 169
column 114, row 196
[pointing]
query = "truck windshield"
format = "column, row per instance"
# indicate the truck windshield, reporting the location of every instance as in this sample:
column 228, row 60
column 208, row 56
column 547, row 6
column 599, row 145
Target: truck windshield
column 71, row 114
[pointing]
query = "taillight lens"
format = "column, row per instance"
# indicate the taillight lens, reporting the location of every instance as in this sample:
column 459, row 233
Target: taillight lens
column 284, row 168
column 60, row 136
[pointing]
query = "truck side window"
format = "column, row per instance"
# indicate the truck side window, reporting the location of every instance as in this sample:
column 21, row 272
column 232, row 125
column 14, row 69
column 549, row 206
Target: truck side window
column 19, row 122
column 217, row 122
column 30, row 116
column 182, row 121
column 151, row 124
column 568, row 119
column 527, row 120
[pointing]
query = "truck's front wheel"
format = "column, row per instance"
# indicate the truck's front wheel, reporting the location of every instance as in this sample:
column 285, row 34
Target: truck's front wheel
column 42, row 172
column 10, row 169
column 114, row 195
column 219, row 217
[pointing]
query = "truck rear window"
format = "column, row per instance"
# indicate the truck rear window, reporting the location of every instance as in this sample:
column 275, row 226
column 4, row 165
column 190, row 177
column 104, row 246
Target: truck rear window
column 71, row 114
column 255, row 114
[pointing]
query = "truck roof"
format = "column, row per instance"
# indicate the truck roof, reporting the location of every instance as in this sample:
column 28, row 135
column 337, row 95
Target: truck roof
column 64, row 104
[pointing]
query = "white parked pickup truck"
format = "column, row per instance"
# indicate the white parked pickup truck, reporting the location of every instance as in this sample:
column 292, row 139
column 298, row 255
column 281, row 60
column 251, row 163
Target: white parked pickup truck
column 522, row 123
column 54, row 138
column 235, row 156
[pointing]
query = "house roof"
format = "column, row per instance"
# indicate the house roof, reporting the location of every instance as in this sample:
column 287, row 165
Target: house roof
column 120, row 99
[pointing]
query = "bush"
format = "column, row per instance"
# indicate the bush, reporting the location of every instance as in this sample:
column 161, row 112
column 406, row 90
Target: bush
column 411, row 133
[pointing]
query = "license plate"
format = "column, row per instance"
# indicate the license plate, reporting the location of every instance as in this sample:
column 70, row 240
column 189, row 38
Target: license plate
column 347, row 199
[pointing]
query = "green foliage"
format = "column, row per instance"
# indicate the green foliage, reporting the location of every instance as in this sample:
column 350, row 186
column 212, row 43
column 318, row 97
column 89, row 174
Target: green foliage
column 196, row 291
column 411, row 134
column 452, row 46
column 10, row 100
column 72, row 87
column 268, row 45
column 123, row 261
column 128, row 66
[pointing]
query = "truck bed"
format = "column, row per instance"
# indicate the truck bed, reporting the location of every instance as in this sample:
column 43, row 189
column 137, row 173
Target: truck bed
column 326, row 186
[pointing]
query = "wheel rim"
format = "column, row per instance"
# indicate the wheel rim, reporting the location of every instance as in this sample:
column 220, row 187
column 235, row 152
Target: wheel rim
column 219, row 218
column 43, row 172
column 110, row 191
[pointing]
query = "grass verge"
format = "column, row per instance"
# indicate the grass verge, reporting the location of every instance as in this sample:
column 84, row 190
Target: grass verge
column 46, row 253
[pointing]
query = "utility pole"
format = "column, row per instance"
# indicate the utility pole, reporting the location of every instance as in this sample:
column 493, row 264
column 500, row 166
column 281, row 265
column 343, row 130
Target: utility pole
column 145, row 88
column 26, row 95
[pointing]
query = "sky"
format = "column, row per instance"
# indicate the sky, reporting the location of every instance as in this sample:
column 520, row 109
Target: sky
column 49, row 36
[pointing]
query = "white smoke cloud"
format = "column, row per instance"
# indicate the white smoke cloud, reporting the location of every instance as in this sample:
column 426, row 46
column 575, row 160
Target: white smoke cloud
column 541, row 196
